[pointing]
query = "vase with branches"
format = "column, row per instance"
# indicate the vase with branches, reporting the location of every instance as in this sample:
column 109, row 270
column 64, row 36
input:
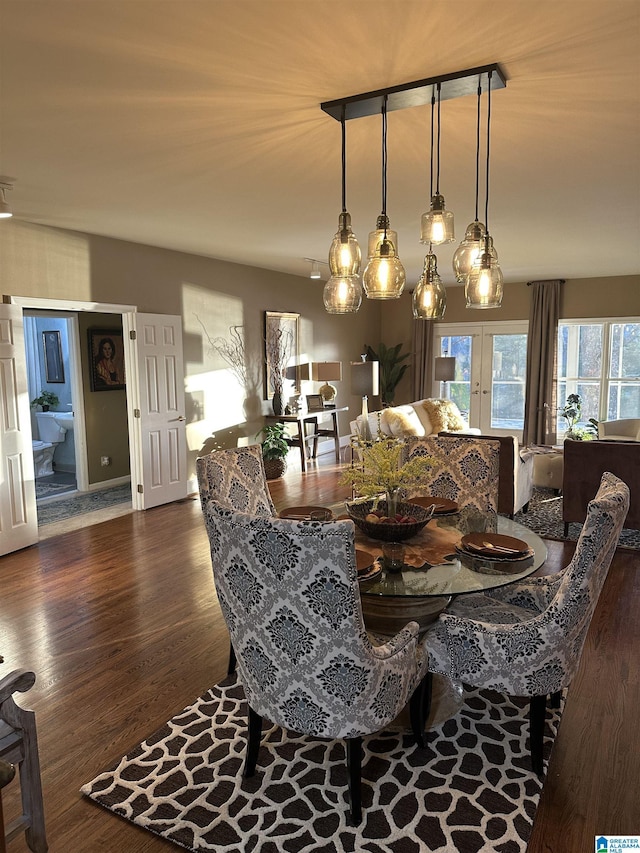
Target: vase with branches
column 279, row 346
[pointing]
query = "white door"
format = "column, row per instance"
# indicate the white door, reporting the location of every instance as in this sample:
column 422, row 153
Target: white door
column 18, row 514
column 155, row 403
column 490, row 373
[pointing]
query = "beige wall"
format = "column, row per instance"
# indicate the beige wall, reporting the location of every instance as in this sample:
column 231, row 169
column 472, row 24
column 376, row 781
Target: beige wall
column 213, row 295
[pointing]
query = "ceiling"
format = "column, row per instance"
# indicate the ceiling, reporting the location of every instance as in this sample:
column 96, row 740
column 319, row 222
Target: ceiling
column 195, row 125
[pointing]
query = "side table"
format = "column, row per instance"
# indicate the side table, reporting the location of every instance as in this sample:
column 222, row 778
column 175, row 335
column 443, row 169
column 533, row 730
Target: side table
column 303, row 438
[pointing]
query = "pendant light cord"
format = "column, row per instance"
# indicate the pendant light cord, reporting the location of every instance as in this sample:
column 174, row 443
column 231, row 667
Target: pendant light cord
column 384, row 161
column 433, row 106
column 478, row 147
column 344, row 160
column 438, row 147
column 486, row 196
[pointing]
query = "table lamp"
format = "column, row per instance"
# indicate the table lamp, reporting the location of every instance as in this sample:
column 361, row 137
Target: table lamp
column 445, row 371
column 327, row 371
column 365, row 382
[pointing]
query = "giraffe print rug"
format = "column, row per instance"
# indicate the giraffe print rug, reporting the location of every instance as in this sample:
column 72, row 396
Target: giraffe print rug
column 470, row 790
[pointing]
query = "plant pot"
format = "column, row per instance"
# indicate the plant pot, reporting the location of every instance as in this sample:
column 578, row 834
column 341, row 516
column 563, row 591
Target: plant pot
column 45, row 408
column 274, row 468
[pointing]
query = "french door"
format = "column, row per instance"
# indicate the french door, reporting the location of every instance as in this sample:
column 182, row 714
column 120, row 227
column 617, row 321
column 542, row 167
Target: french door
column 489, row 383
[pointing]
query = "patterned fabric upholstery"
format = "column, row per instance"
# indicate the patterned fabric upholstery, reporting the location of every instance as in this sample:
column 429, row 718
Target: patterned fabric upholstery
column 526, row 639
column 236, row 479
column 289, row 594
column 465, row 470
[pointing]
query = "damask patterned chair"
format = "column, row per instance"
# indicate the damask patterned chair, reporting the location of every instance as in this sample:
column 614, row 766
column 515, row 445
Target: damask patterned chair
column 526, row 639
column 236, row 479
column 289, row 594
column 465, row 470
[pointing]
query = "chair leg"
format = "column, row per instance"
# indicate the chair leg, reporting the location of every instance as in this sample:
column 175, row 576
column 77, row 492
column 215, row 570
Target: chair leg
column 254, row 733
column 354, row 766
column 419, row 707
column 566, row 530
column 537, row 713
column 554, row 699
column 231, row 666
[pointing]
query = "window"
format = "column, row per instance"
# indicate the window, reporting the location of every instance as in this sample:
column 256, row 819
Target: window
column 601, row 362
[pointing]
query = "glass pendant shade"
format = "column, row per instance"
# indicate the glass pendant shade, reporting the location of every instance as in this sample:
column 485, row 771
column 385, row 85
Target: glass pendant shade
column 344, row 253
column 484, row 285
column 429, row 297
column 384, row 276
column 436, row 225
column 469, row 250
column 342, row 294
column 376, row 237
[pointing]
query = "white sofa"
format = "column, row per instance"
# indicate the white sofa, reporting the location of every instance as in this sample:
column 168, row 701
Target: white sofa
column 424, row 417
column 625, row 429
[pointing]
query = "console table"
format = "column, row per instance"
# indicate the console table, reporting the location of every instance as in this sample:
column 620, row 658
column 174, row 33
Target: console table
column 304, row 437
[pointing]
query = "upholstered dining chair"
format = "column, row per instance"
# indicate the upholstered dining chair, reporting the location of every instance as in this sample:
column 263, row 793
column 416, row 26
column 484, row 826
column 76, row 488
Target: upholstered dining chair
column 526, row 638
column 19, row 747
column 289, row 594
column 236, row 479
column 465, row 470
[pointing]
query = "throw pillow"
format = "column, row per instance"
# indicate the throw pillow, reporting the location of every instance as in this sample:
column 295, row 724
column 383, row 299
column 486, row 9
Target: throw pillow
column 401, row 421
column 444, row 415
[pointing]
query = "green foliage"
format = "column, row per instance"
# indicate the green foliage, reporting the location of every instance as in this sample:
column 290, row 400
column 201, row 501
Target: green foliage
column 391, row 368
column 274, row 445
column 46, row 398
column 380, row 468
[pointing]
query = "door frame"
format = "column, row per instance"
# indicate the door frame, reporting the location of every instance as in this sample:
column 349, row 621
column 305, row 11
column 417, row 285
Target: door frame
column 72, row 307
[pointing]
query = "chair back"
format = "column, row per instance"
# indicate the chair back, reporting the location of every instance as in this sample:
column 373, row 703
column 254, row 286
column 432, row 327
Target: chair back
column 570, row 612
column 236, row 479
column 465, row 470
column 289, row 594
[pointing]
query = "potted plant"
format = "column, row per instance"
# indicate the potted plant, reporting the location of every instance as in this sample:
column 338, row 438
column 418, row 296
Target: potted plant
column 274, row 450
column 572, row 412
column 45, row 400
column 391, row 369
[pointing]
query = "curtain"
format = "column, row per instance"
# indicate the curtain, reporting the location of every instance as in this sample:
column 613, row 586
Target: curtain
column 422, row 366
column 540, row 384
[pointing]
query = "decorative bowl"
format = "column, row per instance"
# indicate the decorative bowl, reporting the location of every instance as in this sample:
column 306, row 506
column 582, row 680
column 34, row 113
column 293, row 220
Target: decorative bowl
column 388, row 531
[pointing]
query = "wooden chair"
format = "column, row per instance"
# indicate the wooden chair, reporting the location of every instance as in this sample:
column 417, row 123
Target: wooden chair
column 19, row 746
column 289, row 595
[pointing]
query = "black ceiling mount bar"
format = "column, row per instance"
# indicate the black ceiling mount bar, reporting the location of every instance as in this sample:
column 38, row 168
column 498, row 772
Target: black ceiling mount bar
column 415, row 94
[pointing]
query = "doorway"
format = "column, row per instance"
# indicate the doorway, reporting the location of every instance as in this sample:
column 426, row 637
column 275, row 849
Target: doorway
column 65, row 488
column 489, row 384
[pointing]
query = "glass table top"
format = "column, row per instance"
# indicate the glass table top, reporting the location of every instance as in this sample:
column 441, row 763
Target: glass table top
column 434, row 565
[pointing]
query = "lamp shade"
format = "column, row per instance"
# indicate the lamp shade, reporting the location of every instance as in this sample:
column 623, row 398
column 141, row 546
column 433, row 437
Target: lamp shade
column 326, row 371
column 445, row 369
column 365, row 378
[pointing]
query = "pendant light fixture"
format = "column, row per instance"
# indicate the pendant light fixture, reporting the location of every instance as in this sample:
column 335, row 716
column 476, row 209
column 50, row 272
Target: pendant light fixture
column 384, row 276
column 437, row 224
column 343, row 291
column 484, row 285
column 429, row 299
column 473, row 243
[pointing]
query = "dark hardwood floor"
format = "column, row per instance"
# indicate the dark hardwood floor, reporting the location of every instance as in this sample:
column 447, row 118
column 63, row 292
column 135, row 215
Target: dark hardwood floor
column 121, row 624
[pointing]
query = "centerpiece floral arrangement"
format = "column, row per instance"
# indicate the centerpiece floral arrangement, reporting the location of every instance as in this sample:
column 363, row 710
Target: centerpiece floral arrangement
column 380, row 471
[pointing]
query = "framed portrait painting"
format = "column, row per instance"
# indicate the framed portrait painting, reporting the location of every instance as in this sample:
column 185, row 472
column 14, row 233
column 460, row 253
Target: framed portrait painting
column 106, row 355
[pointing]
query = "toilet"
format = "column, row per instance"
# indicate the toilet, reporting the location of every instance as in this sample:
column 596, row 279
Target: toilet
column 43, row 458
column 51, row 434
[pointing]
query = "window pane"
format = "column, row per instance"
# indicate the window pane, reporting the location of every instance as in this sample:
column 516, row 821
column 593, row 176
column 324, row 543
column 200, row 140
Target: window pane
column 459, row 346
column 508, row 376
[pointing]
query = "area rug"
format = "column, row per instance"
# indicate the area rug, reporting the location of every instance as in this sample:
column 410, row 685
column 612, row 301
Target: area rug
column 545, row 518
column 49, row 490
column 471, row 790
column 83, row 503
